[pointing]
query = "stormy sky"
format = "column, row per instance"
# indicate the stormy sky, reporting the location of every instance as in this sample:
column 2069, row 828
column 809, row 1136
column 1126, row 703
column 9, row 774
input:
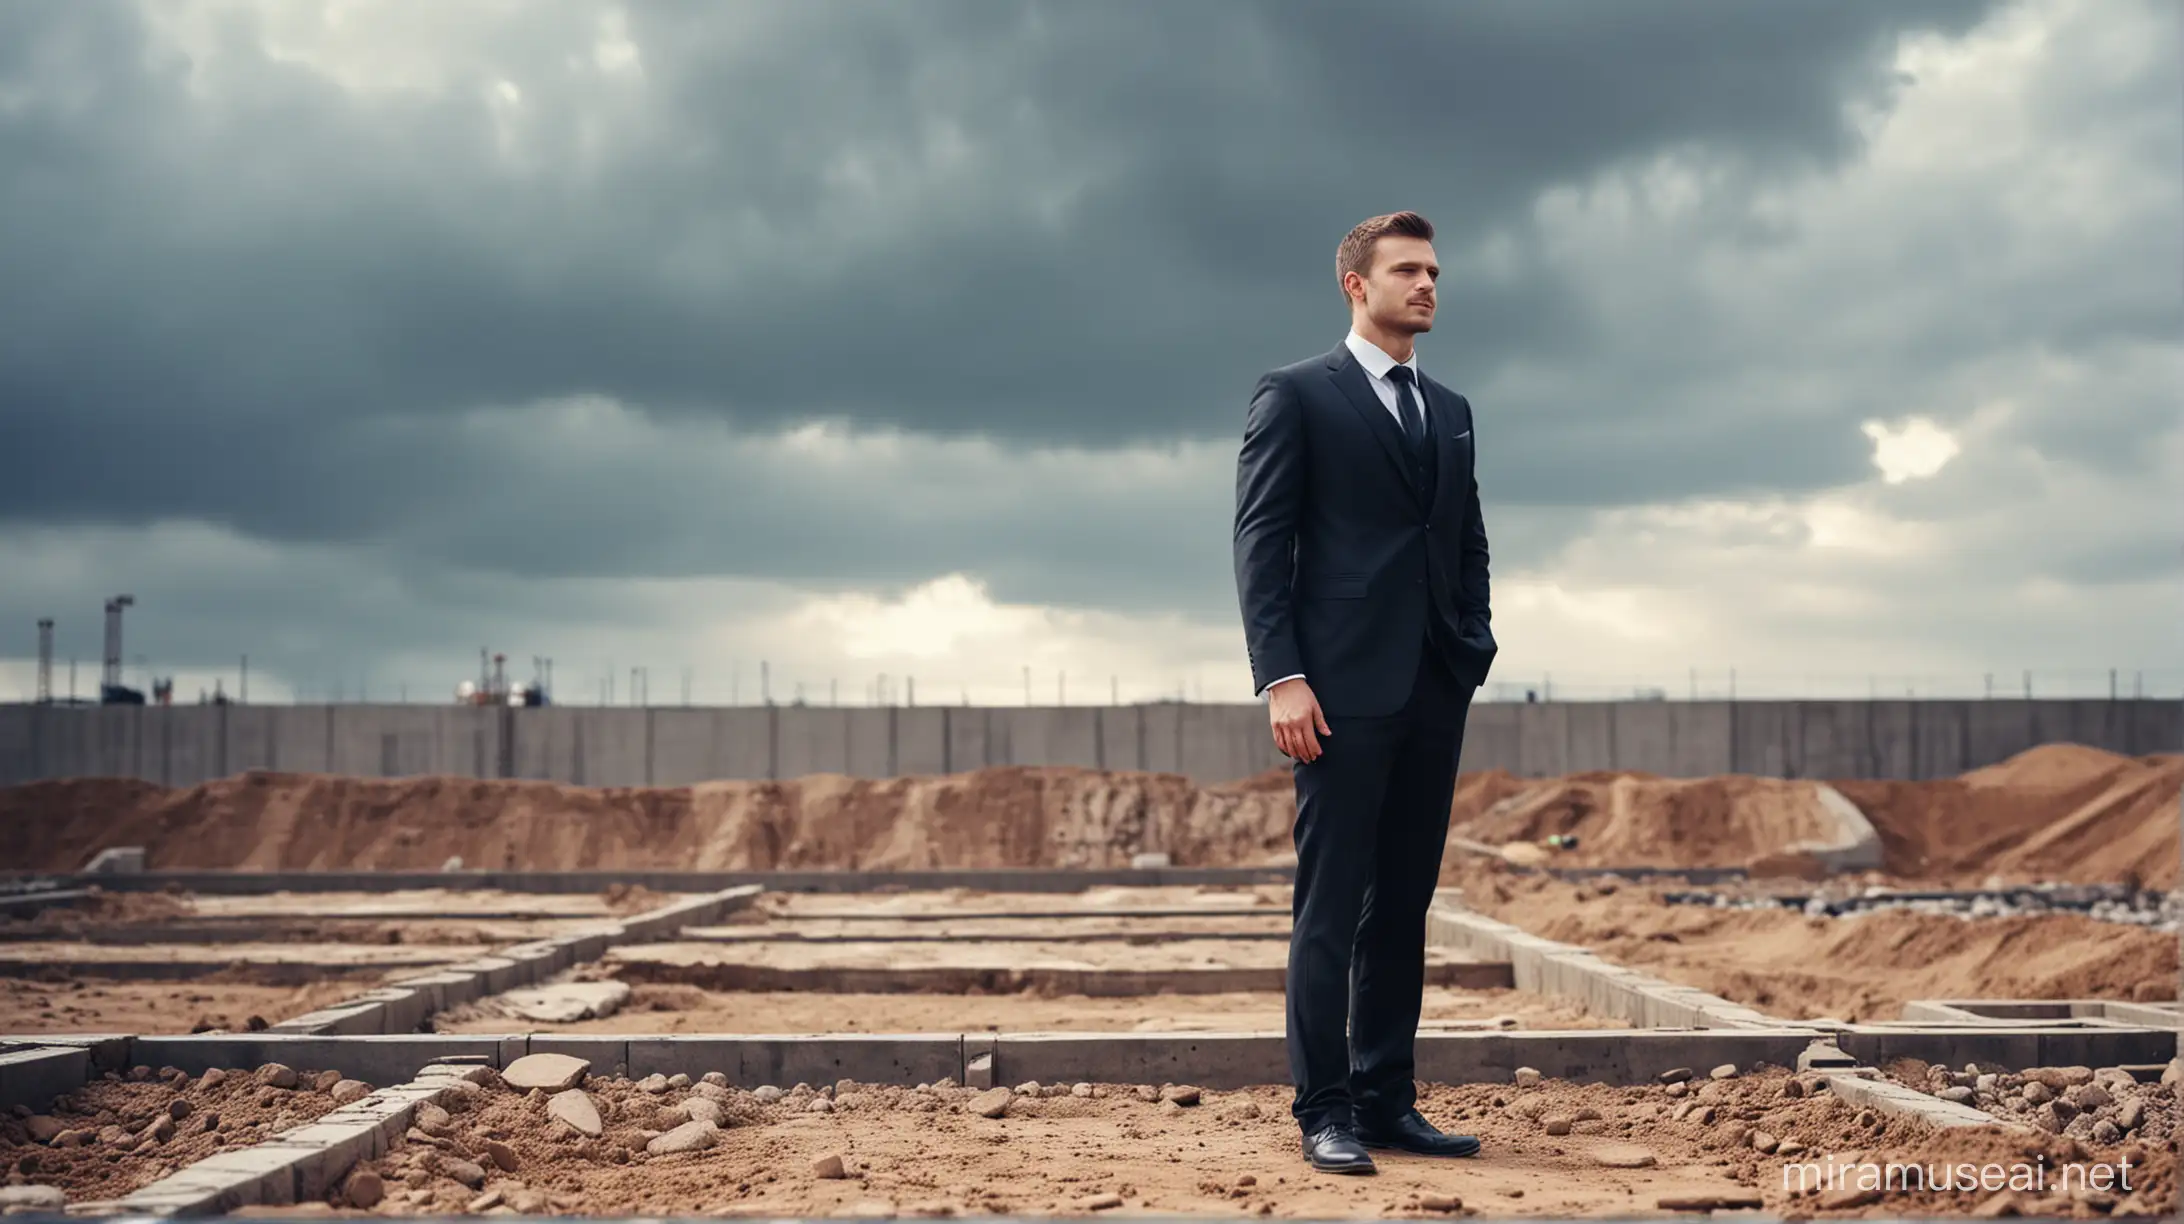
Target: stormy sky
column 1835, row 342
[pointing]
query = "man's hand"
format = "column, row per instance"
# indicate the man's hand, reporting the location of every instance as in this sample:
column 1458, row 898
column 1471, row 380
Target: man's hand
column 1294, row 714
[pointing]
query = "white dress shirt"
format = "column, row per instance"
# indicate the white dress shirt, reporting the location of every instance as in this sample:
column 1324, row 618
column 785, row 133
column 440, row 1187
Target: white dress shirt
column 1377, row 363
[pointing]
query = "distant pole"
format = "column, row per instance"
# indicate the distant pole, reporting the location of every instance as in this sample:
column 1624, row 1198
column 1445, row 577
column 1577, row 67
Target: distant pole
column 405, row 692
column 45, row 660
column 1061, row 687
column 1732, row 684
column 1694, row 684
column 72, row 679
column 1990, row 686
column 1114, row 690
column 242, row 689
column 686, row 686
column 1027, row 684
column 2028, row 684
column 2138, row 682
column 2111, row 684
column 834, row 687
column 765, row 682
column 909, row 690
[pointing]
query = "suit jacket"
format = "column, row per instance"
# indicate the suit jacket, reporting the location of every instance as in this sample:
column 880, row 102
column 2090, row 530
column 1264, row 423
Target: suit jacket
column 1340, row 563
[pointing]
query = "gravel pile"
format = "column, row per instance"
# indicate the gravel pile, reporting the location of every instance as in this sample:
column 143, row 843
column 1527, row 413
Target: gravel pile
column 2157, row 911
column 2104, row 1105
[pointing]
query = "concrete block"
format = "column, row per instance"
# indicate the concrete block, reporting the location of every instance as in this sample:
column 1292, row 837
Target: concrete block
column 494, row 973
column 340, row 1147
column 401, row 1010
column 375, row 1059
column 608, row 1055
column 1854, row 846
column 783, row 1060
column 107, row 1051
column 32, row 1078
column 540, row 958
column 1884, row 1096
column 116, row 860
column 1209, row 1060
column 351, row 1019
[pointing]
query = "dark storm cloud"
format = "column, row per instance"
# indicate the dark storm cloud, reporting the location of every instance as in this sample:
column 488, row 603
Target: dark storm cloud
column 1089, row 224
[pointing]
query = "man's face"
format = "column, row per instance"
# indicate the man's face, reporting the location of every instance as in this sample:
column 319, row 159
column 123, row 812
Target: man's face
column 1399, row 294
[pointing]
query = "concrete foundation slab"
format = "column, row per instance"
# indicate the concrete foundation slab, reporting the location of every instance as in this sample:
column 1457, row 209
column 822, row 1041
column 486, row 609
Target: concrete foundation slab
column 33, row 1077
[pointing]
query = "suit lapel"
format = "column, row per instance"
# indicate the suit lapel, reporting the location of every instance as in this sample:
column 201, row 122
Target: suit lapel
column 1350, row 376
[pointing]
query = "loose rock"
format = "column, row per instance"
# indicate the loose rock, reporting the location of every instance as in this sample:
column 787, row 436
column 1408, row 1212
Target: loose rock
column 1527, row 1077
column 277, row 1075
column 345, row 1091
column 1623, row 1156
column 1724, row 1201
column 577, row 1110
column 829, row 1167
column 546, row 1072
column 1181, row 1094
column 704, row 1109
column 364, row 1189
column 689, row 1137
column 1724, row 1071
column 1433, row 1200
column 991, row 1103
column 464, row 1171
column 654, row 1084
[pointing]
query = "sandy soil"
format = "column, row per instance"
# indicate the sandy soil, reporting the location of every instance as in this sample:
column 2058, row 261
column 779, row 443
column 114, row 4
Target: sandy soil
column 90, row 1005
column 688, row 1009
column 925, row 1152
column 2060, row 812
column 1623, row 819
column 1863, row 967
column 134, row 1131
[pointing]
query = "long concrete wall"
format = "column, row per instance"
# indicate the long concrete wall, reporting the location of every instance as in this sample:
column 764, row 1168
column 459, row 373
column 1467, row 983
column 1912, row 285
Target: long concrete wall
column 622, row 746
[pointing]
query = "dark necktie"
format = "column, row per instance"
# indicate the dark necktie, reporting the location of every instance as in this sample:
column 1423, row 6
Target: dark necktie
column 1414, row 428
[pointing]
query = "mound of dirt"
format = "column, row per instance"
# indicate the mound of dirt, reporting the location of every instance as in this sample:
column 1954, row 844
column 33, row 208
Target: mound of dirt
column 2056, row 812
column 1632, row 820
column 2062, row 813
column 1002, row 817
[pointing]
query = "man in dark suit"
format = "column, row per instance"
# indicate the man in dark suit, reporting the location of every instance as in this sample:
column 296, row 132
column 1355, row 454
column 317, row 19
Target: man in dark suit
column 1361, row 566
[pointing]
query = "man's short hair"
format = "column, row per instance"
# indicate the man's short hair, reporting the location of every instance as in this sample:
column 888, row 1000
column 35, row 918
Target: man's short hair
column 1356, row 252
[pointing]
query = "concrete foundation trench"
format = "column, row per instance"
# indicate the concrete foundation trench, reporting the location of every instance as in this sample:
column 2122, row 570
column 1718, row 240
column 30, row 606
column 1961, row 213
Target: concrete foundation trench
column 1048, row 1043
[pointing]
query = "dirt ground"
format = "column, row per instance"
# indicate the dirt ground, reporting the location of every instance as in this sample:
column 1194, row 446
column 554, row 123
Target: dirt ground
column 688, row 1009
column 1861, row 967
column 115, row 1135
column 1556, row 1149
column 2059, row 812
column 89, row 1005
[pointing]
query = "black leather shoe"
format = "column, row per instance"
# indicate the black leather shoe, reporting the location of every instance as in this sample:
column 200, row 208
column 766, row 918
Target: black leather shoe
column 1333, row 1149
column 1410, row 1132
